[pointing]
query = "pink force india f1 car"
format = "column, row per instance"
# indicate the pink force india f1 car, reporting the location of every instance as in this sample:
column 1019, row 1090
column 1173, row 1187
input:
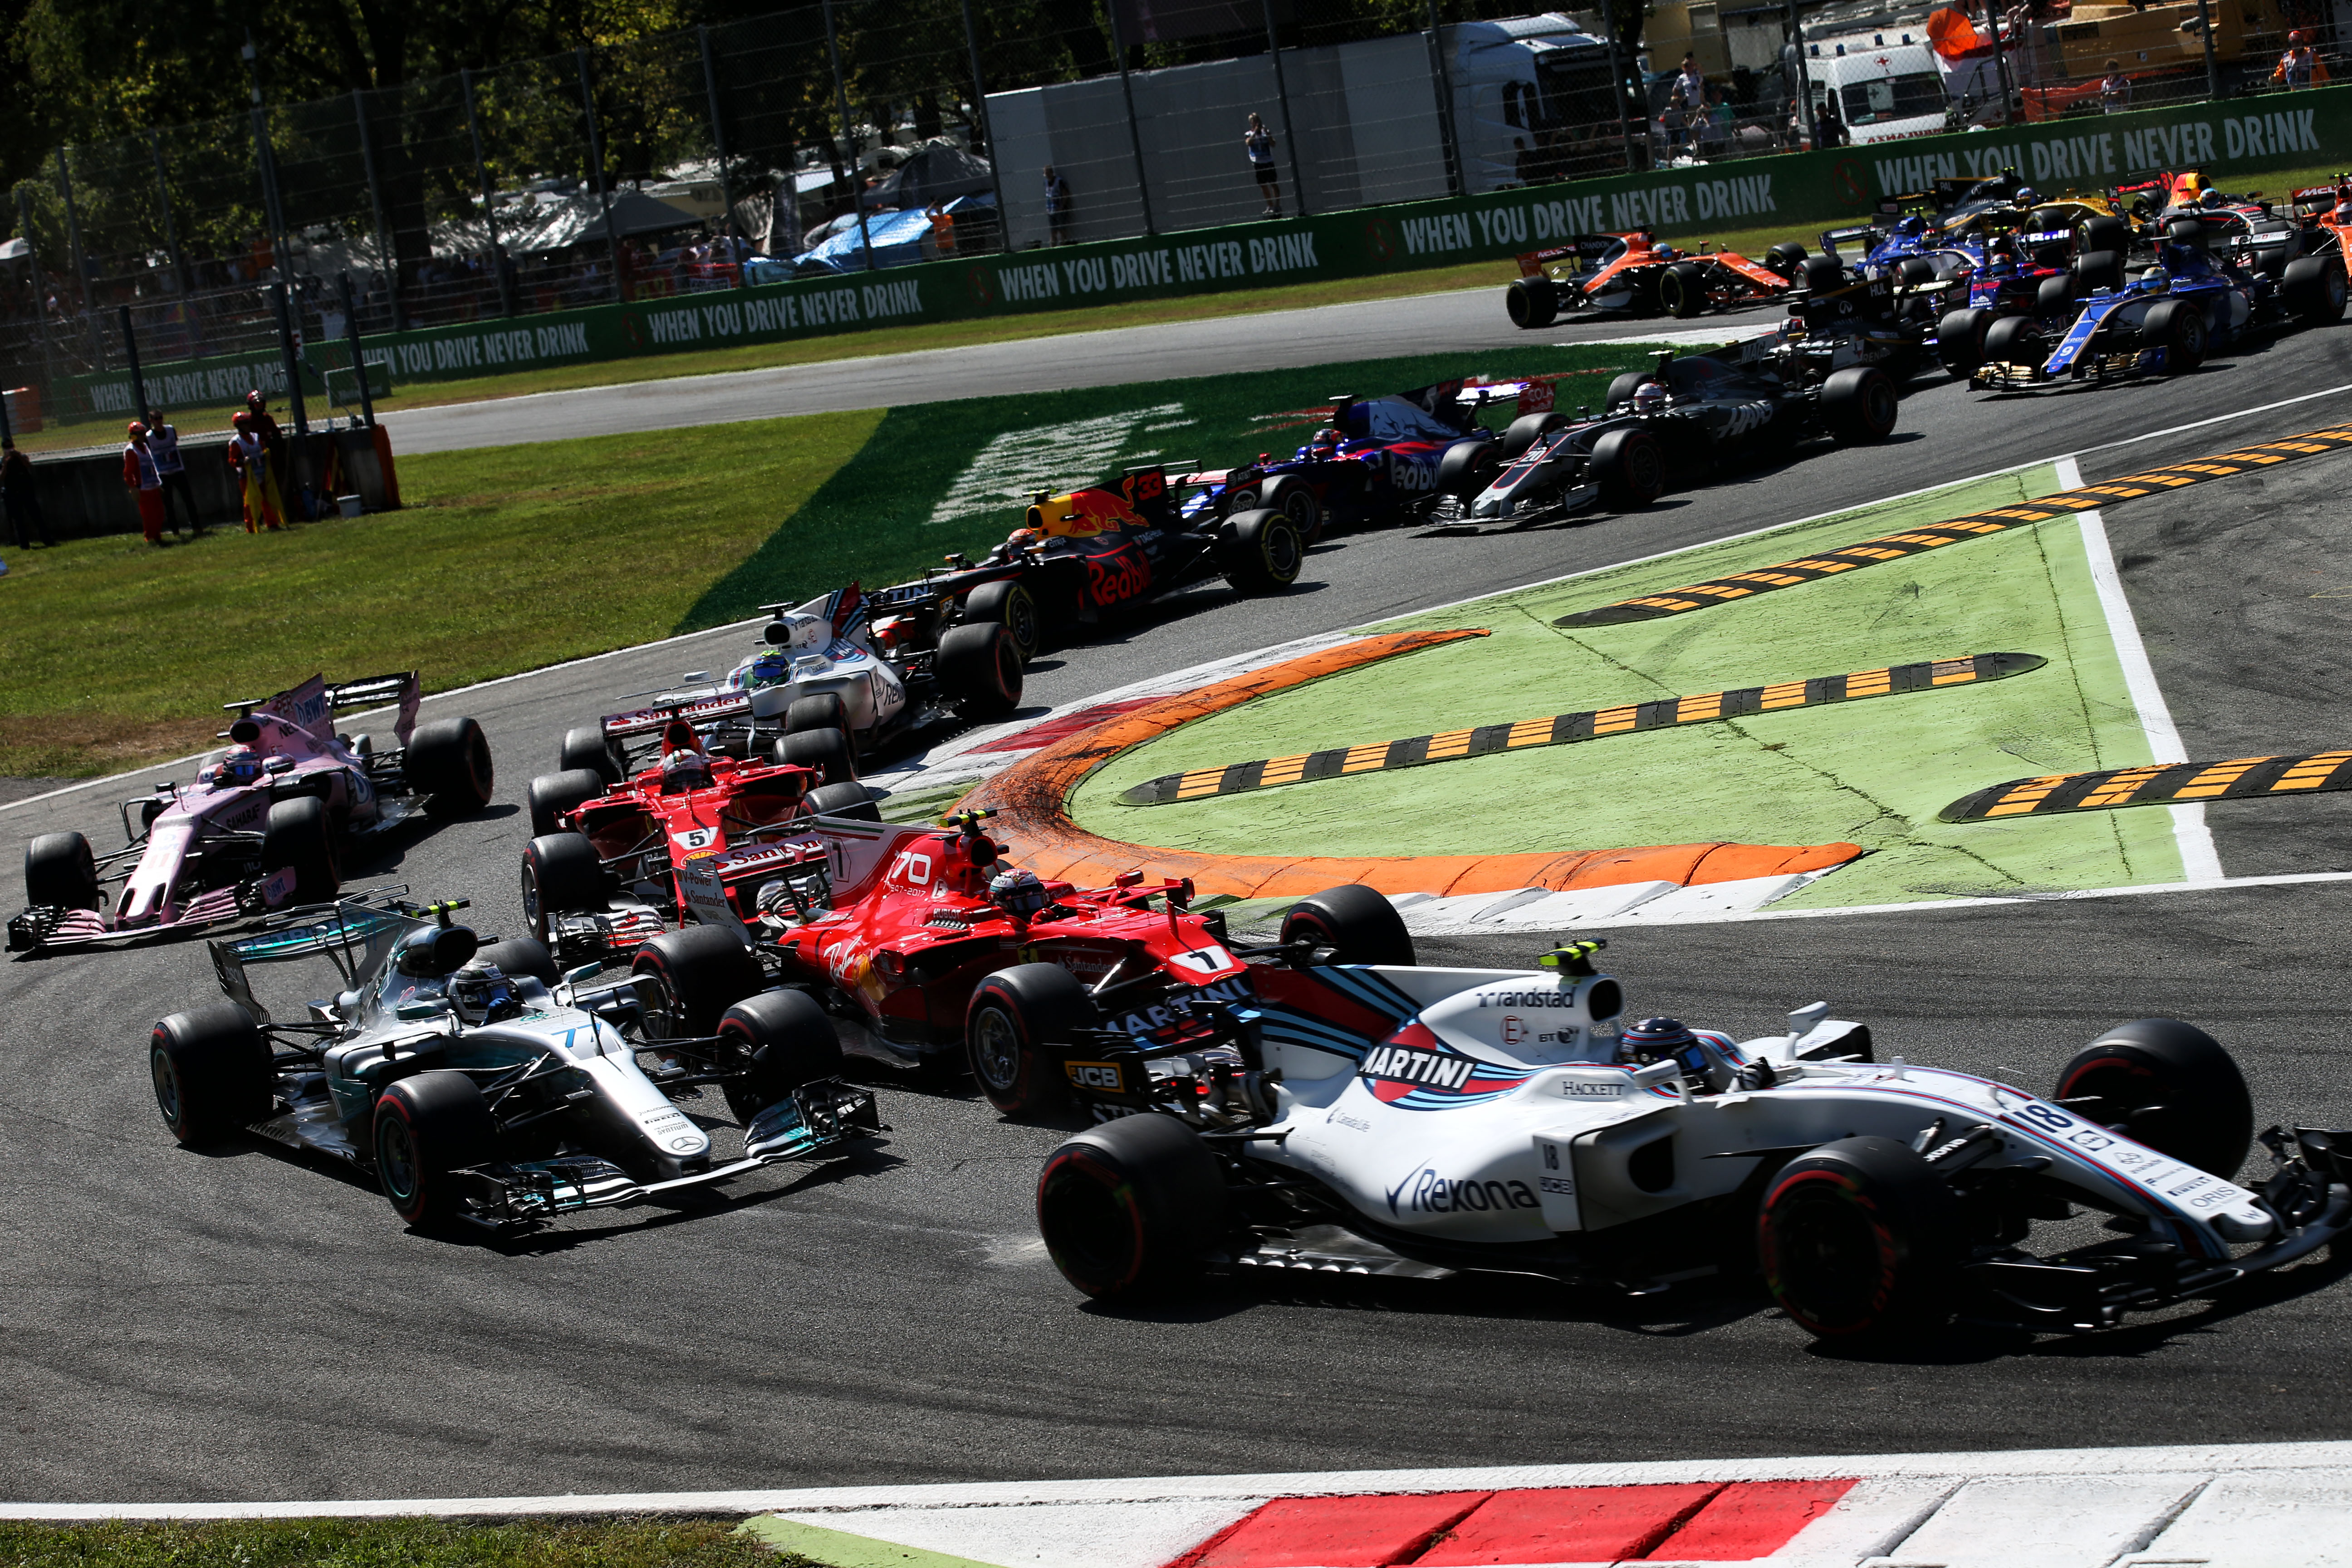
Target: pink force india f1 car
column 262, row 826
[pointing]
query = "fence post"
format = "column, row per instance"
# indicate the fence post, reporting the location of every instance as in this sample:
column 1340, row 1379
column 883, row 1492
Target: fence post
column 293, row 360
column 1443, row 81
column 359, row 365
column 1282, row 96
column 987, row 134
column 1617, row 82
column 387, row 263
column 40, row 291
column 2205, row 31
column 81, row 267
column 718, row 143
column 265, row 165
column 171, row 228
column 849, row 133
column 489, row 209
column 1134, row 134
column 131, row 356
column 2000, row 62
column 596, row 165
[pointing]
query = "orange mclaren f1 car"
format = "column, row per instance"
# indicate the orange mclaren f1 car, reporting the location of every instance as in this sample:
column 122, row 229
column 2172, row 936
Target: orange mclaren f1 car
column 1635, row 274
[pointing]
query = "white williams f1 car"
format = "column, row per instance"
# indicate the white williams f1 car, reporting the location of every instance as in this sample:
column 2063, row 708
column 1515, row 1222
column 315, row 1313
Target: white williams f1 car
column 476, row 1084
column 1421, row 1122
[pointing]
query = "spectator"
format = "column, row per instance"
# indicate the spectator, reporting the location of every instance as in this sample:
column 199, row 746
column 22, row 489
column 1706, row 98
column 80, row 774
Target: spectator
column 1829, row 130
column 1258, row 143
column 1691, row 83
column 1059, row 208
column 1795, row 130
column 164, row 442
column 2115, row 89
column 248, row 454
column 23, row 502
column 139, row 477
column 1672, row 119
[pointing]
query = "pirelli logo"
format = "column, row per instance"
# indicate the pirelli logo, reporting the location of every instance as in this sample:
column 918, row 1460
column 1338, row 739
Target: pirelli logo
column 2155, row 784
column 1566, row 729
column 1960, row 530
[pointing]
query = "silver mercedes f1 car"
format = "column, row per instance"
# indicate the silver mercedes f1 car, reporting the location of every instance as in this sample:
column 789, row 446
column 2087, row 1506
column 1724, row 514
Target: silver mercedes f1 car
column 1398, row 1120
column 477, row 1085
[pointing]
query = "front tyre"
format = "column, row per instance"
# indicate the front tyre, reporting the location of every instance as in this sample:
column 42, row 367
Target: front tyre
column 1467, row 469
column 1630, row 466
column 426, row 1128
column 2178, row 328
column 60, row 872
column 2313, row 287
column 1862, row 1239
column 211, row 1068
column 1261, row 552
column 1131, row 1207
column 2168, row 1085
column 1859, row 405
column 448, row 763
column 1960, row 340
column 1014, row 1019
column 790, row 1044
column 1356, row 923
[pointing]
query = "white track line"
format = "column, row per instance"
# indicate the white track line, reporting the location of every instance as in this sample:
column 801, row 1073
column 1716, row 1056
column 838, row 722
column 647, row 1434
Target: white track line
column 2201, row 861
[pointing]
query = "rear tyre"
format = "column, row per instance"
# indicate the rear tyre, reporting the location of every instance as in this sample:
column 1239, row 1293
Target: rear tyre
column 1859, row 405
column 61, row 872
column 1295, row 499
column 1014, row 1019
column 827, row 753
column 2188, row 231
column 823, row 710
column 1916, row 271
column 2106, row 232
column 2041, row 220
column 1358, row 923
column 1009, row 605
column 2096, row 269
column 1261, row 552
column 554, row 796
column 979, row 668
column 1532, row 302
column 791, row 1044
column 2168, row 1085
column 585, row 748
column 2014, row 339
column 1786, row 259
column 427, row 1127
column 2313, row 287
column 1862, row 1239
column 2178, row 327
column 1131, row 1207
column 1623, row 389
column 298, row 834
column 1823, row 275
column 1960, row 340
column 1630, row 466
column 1682, row 289
column 698, row 974
column 851, row 799
column 562, row 875
column 448, row 763
column 520, row 955
column 1526, row 430
column 1467, row 469
column 2055, row 295
column 212, row 1072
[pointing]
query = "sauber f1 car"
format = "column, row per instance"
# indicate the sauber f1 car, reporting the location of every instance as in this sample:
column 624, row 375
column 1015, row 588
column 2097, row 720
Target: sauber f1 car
column 834, row 680
column 1633, row 273
column 1386, row 1119
column 263, row 824
column 940, row 956
column 477, row 1085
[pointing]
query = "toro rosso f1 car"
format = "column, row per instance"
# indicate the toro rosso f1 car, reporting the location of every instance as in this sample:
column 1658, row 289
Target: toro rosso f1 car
column 940, row 956
column 265, row 823
column 1419, row 1122
column 477, row 1085
column 1633, row 273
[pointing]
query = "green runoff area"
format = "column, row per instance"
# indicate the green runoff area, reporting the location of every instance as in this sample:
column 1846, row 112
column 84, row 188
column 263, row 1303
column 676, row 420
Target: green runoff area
column 1872, row 772
column 510, row 559
column 649, row 1543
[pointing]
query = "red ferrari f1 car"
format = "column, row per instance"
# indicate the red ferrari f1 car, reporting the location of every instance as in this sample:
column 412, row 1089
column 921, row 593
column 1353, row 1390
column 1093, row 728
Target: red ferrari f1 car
column 941, row 955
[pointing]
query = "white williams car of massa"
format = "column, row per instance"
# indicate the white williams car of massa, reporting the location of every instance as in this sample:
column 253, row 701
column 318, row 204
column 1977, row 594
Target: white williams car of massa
column 478, row 1085
column 1422, row 1121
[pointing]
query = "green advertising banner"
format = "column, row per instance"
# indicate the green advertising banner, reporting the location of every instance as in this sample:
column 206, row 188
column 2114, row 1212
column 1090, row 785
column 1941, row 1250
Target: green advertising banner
column 1799, row 189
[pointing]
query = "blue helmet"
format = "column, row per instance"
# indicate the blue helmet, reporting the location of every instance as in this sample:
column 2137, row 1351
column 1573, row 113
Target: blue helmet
column 1913, row 224
column 769, row 666
column 1656, row 1040
column 242, row 766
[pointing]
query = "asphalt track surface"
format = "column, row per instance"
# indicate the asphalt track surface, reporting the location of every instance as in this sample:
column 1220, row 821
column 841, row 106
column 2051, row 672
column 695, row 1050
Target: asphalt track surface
column 245, row 1325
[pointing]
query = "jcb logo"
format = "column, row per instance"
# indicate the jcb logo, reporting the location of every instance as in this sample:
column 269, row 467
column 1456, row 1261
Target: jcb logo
column 1094, row 1075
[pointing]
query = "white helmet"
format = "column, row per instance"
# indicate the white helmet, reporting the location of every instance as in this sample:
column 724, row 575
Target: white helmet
column 1649, row 399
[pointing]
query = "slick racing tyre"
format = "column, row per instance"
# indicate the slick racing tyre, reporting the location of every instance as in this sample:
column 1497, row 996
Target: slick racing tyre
column 827, row 753
column 1012, row 606
column 2188, row 231
column 425, row 1127
column 1629, row 468
column 520, row 955
column 1288, row 494
column 1467, row 469
column 2313, row 287
column 979, row 671
column 1356, row 923
column 585, row 748
column 298, row 834
column 1010, row 1027
column 2056, row 294
column 1916, row 271
column 562, row 875
column 1525, row 431
column 851, row 799
column 2168, row 1085
column 1622, row 390
column 1960, row 340
column 787, row 1043
column 697, row 974
column 1823, row 275
column 1131, row 1207
column 2105, row 232
column 1859, row 405
column 819, row 710
column 1682, row 289
column 2096, row 269
column 1261, row 552
column 1786, row 259
column 1861, row 1239
column 1532, row 302
column 553, row 796
column 212, row 1072
column 2014, row 339
column 2178, row 327
column 60, row 872
column 448, row 763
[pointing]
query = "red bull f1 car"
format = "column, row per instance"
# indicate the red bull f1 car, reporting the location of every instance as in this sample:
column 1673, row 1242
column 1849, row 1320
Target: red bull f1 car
column 266, row 823
column 1386, row 1119
column 1635, row 274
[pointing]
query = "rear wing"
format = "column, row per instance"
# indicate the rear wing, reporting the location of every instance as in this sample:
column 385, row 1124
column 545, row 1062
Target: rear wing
column 1868, row 235
column 348, row 931
column 1582, row 247
column 653, row 720
column 2315, row 197
column 313, row 706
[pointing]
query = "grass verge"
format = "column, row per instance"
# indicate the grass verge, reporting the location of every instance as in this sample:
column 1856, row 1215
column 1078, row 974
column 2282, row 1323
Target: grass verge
column 394, row 1543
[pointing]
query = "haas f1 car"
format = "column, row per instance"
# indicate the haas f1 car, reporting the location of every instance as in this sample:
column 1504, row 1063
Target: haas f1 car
column 1635, row 274
column 262, row 825
column 477, row 1085
column 1386, row 1119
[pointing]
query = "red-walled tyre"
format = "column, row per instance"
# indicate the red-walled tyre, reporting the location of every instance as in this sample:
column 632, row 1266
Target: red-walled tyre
column 1861, row 1239
column 1132, row 1207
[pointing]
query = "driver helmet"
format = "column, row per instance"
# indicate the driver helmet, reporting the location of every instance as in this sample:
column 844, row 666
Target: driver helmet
column 241, row 766
column 2154, row 276
column 2027, row 197
column 1914, row 224
column 2211, row 199
column 1659, row 1039
column 1022, row 539
column 1667, row 253
column 1327, row 437
column 769, row 667
column 481, row 993
column 1649, row 399
column 1018, row 893
column 685, row 769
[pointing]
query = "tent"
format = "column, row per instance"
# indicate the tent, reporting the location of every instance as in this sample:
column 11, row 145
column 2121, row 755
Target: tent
column 580, row 220
column 935, row 172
